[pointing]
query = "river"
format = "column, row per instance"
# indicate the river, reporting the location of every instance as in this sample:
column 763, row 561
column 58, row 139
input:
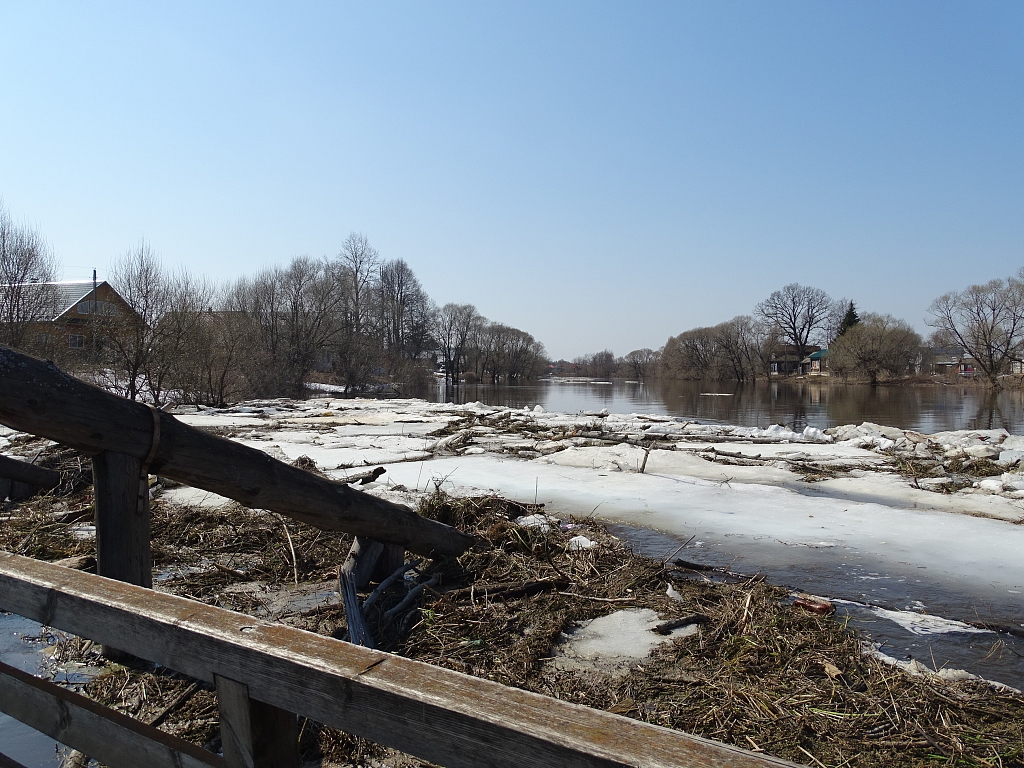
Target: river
column 843, row 573
column 793, row 403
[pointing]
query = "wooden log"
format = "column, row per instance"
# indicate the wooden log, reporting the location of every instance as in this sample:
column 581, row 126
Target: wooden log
column 354, row 575
column 30, row 474
column 40, row 398
column 254, row 734
column 362, row 560
column 122, row 519
column 102, row 733
column 390, row 559
column 435, row 714
column 364, row 478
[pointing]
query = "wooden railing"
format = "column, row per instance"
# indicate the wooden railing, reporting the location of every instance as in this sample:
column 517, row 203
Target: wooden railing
column 266, row 674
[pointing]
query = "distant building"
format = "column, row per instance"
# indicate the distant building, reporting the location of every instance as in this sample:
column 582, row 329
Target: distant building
column 952, row 361
column 786, row 360
column 815, row 364
column 70, row 311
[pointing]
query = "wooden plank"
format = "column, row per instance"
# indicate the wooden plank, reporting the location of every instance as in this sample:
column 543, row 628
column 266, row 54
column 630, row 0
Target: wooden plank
column 435, row 714
column 254, row 734
column 7, row 762
column 30, row 474
column 122, row 519
column 40, row 398
column 104, row 734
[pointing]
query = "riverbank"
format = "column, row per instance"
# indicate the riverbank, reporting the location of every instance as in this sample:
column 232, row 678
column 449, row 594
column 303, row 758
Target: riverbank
column 847, row 491
column 560, row 607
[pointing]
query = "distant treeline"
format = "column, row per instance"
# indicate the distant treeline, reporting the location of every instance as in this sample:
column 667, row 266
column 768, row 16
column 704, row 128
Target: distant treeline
column 980, row 328
column 355, row 320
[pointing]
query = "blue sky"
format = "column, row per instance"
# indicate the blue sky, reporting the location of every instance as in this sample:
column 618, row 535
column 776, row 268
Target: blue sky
column 599, row 174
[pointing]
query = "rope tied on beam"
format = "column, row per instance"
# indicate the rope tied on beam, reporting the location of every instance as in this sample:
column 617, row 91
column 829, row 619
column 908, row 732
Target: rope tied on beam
column 143, row 497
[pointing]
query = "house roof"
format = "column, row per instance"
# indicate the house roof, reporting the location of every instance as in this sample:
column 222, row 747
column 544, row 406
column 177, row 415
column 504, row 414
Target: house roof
column 821, row 353
column 65, row 294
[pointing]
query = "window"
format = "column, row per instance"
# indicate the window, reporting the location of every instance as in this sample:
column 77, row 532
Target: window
column 76, row 341
column 102, row 308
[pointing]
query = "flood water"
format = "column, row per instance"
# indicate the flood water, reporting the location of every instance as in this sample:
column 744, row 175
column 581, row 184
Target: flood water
column 862, row 582
column 793, row 403
column 846, row 575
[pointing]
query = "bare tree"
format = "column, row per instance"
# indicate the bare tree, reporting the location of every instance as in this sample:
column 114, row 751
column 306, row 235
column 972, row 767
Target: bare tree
column 294, row 316
column 26, row 263
column 987, row 321
column 359, row 261
column 642, row 363
column 400, row 302
column 878, row 344
column 177, row 335
column 131, row 337
column 800, row 312
column 453, row 324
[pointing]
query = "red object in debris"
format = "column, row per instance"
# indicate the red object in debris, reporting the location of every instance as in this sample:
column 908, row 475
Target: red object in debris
column 820, row 607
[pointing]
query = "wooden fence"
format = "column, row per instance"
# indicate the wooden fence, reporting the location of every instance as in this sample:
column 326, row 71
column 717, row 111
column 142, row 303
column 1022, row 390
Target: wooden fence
column 266, row 674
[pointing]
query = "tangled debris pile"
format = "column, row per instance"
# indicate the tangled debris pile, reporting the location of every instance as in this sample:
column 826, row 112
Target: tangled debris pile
column 744, row 663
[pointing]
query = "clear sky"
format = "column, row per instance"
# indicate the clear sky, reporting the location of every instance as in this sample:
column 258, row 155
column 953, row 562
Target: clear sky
column 599, row 174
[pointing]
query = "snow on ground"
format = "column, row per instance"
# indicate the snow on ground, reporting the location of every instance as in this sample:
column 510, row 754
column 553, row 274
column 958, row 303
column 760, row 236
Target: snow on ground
column 808, row 490
column 795, row 491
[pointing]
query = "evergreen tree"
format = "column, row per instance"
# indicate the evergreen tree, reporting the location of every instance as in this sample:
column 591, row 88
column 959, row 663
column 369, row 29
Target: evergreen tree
column 850, row 319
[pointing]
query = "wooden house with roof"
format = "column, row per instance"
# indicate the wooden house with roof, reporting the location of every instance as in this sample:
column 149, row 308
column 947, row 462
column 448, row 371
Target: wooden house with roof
column 67, row 313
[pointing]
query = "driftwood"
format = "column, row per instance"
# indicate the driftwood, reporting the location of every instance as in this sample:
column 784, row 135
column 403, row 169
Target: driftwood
column 354, row 575
column 383, row 586
column 508, row 590
column 363, row 478
column 666, row 627
column 30, row 474
column 41, row 399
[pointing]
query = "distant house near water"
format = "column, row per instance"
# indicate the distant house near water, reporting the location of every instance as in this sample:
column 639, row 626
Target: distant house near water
column 67, row 313
column 815, row 364
column 786, row 360
column 952, row 361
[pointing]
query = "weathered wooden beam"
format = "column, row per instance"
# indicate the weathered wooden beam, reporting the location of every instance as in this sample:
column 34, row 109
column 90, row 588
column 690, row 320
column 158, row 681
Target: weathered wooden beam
column 30, row 474
column 8, row 762
column 40, row 398
column 254, row 734
column 122, row 519
column 102, row 733
column 435, row 714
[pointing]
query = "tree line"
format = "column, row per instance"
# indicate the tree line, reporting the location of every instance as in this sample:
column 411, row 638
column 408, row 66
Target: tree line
column 981, row 324
column 355, row 320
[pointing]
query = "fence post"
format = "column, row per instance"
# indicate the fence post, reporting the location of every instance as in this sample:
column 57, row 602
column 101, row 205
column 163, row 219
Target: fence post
column 121, row 494
column 254, row 734
column 122, row 519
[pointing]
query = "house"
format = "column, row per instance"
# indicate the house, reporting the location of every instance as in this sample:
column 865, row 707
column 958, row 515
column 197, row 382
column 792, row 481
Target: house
column 815, row 364
column 66, row 313
column 786, row 360
column 951, row 361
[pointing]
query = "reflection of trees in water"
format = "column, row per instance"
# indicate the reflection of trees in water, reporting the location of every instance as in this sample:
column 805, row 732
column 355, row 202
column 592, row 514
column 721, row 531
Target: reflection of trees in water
column 998, row 410
column 795, row 404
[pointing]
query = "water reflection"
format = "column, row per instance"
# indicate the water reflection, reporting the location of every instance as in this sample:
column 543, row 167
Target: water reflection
column 793, row 403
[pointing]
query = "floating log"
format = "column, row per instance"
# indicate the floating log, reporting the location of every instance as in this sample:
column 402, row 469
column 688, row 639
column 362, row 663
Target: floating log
column 30, row 474
column 40, row 398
